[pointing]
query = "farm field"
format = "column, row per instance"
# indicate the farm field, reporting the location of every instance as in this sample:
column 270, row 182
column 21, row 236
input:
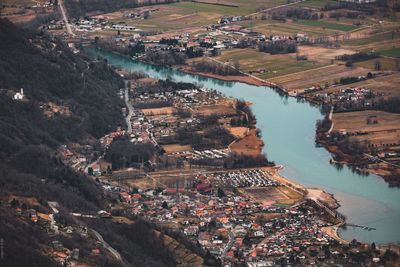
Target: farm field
column 357, row 121
column 374, row 41
column 218, row 109
column 158, row 111
column 386, row 132
column 187, row 14
column 287, row 28
column 302, row 80
column 389, row 85
column 315, row 3
column 328, row 25
column 166, row 18
column 275, row 65
column 392, row 52
column 245, row 7
column 322, row 54
column 387, row 64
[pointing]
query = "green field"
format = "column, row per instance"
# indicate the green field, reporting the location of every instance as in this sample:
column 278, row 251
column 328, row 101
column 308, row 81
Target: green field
column 392, row 52
column 327, row 25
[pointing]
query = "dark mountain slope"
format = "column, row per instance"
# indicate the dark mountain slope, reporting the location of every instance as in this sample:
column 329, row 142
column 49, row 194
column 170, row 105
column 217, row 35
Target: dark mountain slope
column 31, row 174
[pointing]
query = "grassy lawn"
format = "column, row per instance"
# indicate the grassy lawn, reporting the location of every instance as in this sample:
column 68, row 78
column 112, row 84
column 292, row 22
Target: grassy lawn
column 327, row 25
column 392, row 52
column 276, row 65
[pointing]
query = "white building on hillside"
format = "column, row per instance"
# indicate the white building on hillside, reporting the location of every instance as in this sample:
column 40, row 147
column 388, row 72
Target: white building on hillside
column 19, row 95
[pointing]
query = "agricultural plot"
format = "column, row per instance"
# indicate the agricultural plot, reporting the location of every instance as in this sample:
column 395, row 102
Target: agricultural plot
column 251, row 60
column 315, row 3
column 377, row 39
column 287, row 28
column 229, row 7
column 384, row 132
column 167, row 18
column 306, row 79
column 386, row 64
column 328, row 25
column 391, row 52
column 357, row 121
column 158, row 111
column 208, row 110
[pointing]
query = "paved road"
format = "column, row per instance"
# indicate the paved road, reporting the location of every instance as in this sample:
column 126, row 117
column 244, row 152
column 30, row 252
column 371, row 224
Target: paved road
column 130, row 109
column 105, row 244
column 228, row 246
column 65, row 18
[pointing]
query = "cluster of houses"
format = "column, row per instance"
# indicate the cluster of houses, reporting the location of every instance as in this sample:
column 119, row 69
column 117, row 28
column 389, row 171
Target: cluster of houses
column 229, row 226
column 246, row 178
column 72, row 158
column 141, row 13
column 95, row 24
column 55, row 249
column 204, row 154
column 157, row 124
column 349, row 98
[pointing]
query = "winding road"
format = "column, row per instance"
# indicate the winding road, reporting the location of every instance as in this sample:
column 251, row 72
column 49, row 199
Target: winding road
column 105, row 244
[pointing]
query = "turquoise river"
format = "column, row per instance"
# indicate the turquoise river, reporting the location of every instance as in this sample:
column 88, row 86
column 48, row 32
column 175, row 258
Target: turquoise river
column 288, row 131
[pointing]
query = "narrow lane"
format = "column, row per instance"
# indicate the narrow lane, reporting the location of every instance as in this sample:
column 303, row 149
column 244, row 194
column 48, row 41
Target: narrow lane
column 65, row 18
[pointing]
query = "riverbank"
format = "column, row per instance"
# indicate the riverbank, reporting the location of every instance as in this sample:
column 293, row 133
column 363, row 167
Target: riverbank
column 364, row 200
column 314, row 194
column 229, row 78
column 363, row 163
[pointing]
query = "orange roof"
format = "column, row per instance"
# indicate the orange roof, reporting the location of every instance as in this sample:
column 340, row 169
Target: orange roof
column 60, row 254
column 44, row 216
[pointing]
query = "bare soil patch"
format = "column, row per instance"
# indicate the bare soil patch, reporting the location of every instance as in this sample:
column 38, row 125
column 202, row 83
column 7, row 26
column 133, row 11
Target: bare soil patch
column 250, row 145
column 218, row 109
column 238, row 132
column 172, row 148
column 158, row 111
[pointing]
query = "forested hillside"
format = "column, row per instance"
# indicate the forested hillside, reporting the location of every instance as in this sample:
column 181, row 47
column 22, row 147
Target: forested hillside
column 31, row 174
